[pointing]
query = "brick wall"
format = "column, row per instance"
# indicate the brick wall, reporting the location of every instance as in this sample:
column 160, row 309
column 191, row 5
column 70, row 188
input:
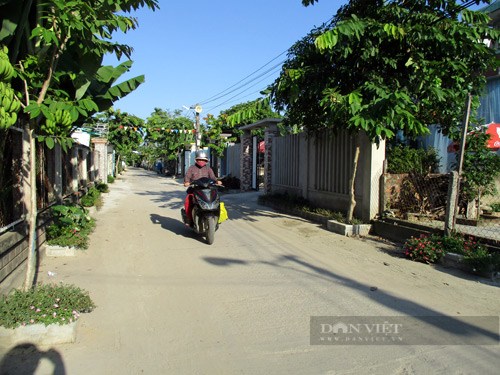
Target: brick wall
column 246, row 162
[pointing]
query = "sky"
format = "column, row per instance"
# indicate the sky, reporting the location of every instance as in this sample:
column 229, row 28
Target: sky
column 215, row 53
column 192, row 50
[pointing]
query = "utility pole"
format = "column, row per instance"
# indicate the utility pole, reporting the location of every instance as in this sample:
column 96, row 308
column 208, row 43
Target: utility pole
column 198, row 109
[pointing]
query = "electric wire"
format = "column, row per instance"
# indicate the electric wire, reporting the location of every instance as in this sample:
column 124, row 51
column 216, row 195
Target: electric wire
column 271, row 72
column 224, row 92
column 239, row 98
column 228, row 90
column 247, row 83
column 251, row 74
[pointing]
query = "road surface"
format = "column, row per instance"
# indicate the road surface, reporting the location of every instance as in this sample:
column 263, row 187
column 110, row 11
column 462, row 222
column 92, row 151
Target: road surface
column 168, row 303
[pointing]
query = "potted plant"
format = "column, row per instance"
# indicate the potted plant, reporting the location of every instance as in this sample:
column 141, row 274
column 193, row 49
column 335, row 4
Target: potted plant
column 70, row 231
column 45, row 314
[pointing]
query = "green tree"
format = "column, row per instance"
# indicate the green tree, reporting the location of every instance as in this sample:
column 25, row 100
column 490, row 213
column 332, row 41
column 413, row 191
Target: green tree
column 379, row 67
column 123, row 133
column 167, row 134
column 57, row 47
column 480, row 169
column 216, row 126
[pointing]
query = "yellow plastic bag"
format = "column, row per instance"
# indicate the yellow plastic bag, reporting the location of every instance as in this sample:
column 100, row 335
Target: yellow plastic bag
column 223, row 213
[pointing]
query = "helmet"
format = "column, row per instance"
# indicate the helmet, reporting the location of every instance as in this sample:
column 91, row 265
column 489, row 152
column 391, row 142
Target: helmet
column 201, row 155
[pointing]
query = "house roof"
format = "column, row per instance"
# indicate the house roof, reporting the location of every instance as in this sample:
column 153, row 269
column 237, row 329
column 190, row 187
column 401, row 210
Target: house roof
column 261, row 124
column 492, row 7
column 493, row 10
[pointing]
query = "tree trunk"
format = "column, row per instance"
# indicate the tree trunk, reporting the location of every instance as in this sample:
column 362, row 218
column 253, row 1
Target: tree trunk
column 352, row 203
column 117, row 165
column 32, row 214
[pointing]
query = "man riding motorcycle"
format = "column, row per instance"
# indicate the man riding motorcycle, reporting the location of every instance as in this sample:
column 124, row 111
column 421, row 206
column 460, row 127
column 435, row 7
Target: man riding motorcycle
column 198, row 170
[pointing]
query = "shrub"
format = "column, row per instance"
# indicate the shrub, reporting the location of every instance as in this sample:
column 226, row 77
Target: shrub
column 424, row 249
column 495, row 207
column 87, row 201
column 46, row 304
column 91, row 198
column 72, row 227
column 111, row 179
column 408, row 160
column 430, row 248
column 102, row 187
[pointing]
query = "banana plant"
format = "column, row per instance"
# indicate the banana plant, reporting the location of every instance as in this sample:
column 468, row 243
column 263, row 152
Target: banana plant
column 56, row 48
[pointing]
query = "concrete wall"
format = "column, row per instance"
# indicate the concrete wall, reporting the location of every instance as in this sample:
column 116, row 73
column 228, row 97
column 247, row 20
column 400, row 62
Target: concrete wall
column 319, row 169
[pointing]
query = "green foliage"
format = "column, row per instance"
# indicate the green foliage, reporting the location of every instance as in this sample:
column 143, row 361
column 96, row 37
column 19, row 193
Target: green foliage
column 430, row 249
column 58, row 47
column 102, row 187
column 72, row 227
column 495, row 207
column 87, row 201
column 229, row 120
column 481, row 167
column 91, row 198
column 111, row 179
column 404, row 159
column 123, row 131
column 425, row 249
column 167, row 134
column 380, row 67
column 44, row 304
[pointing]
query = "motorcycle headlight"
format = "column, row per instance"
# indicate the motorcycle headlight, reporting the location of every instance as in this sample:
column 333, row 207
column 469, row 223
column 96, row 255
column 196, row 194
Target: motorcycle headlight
column 203, row 204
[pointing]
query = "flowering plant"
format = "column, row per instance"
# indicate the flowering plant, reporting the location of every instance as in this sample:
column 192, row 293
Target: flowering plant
column 71, row 227
column 424, row 248
column 430, row 248
column 46, row 304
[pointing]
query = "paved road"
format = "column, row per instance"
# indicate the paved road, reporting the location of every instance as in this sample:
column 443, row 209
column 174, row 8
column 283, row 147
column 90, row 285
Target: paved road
column 167, row 303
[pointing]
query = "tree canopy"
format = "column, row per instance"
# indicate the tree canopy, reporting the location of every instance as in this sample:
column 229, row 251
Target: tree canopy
column 216, row 126
column 167, row 133
column 386, row 66
column 57, row 48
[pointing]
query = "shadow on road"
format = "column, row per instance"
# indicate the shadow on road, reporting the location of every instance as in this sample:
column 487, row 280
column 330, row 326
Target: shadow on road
column 175, row 226
column 396, row 250
column 170, row 199
column 25, row 359
column 404, row 306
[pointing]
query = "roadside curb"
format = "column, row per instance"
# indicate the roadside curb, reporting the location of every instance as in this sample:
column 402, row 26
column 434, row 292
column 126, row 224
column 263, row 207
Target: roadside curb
column 40, row 334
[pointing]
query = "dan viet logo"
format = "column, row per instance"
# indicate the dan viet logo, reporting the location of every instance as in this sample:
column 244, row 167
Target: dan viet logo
column 360, row 332
column 404, row 330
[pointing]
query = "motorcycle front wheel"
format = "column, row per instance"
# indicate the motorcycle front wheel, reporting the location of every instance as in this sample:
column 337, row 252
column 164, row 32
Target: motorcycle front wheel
column 210, row 228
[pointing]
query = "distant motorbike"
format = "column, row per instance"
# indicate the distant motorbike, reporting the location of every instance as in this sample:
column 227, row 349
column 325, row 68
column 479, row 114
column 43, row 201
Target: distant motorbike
column 206, row 208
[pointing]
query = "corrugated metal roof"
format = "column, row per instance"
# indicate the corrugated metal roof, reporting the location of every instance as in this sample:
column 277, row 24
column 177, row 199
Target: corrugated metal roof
column 492, row 7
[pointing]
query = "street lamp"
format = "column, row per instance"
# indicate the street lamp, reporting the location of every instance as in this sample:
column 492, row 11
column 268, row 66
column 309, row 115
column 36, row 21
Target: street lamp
column 197, row 108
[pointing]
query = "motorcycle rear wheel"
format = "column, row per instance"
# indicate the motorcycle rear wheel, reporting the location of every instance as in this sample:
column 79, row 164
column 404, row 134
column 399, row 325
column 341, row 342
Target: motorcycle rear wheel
column 210, row 228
